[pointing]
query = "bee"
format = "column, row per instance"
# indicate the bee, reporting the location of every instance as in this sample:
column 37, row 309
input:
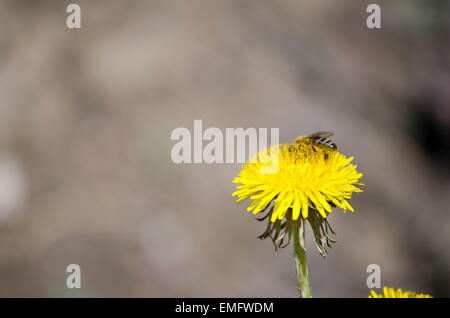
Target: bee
column 320, row 138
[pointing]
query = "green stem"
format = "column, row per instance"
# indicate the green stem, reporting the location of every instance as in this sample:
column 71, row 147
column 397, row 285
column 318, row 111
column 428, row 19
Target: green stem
column 304, row 290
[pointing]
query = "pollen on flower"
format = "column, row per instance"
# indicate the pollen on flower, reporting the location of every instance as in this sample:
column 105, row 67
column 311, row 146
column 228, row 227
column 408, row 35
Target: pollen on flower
column 392, row 293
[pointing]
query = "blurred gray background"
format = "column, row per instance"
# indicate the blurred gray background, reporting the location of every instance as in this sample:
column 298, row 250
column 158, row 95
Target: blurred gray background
column 85, row 123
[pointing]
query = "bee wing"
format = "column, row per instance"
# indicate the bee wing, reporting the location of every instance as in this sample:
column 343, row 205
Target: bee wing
column 321, row 134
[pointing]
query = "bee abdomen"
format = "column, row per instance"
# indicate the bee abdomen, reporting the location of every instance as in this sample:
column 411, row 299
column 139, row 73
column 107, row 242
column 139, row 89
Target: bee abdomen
column 325, row 142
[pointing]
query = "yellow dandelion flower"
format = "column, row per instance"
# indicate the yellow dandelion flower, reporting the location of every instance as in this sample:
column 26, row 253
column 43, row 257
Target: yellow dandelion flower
column 310, row 178
column 392, row 293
